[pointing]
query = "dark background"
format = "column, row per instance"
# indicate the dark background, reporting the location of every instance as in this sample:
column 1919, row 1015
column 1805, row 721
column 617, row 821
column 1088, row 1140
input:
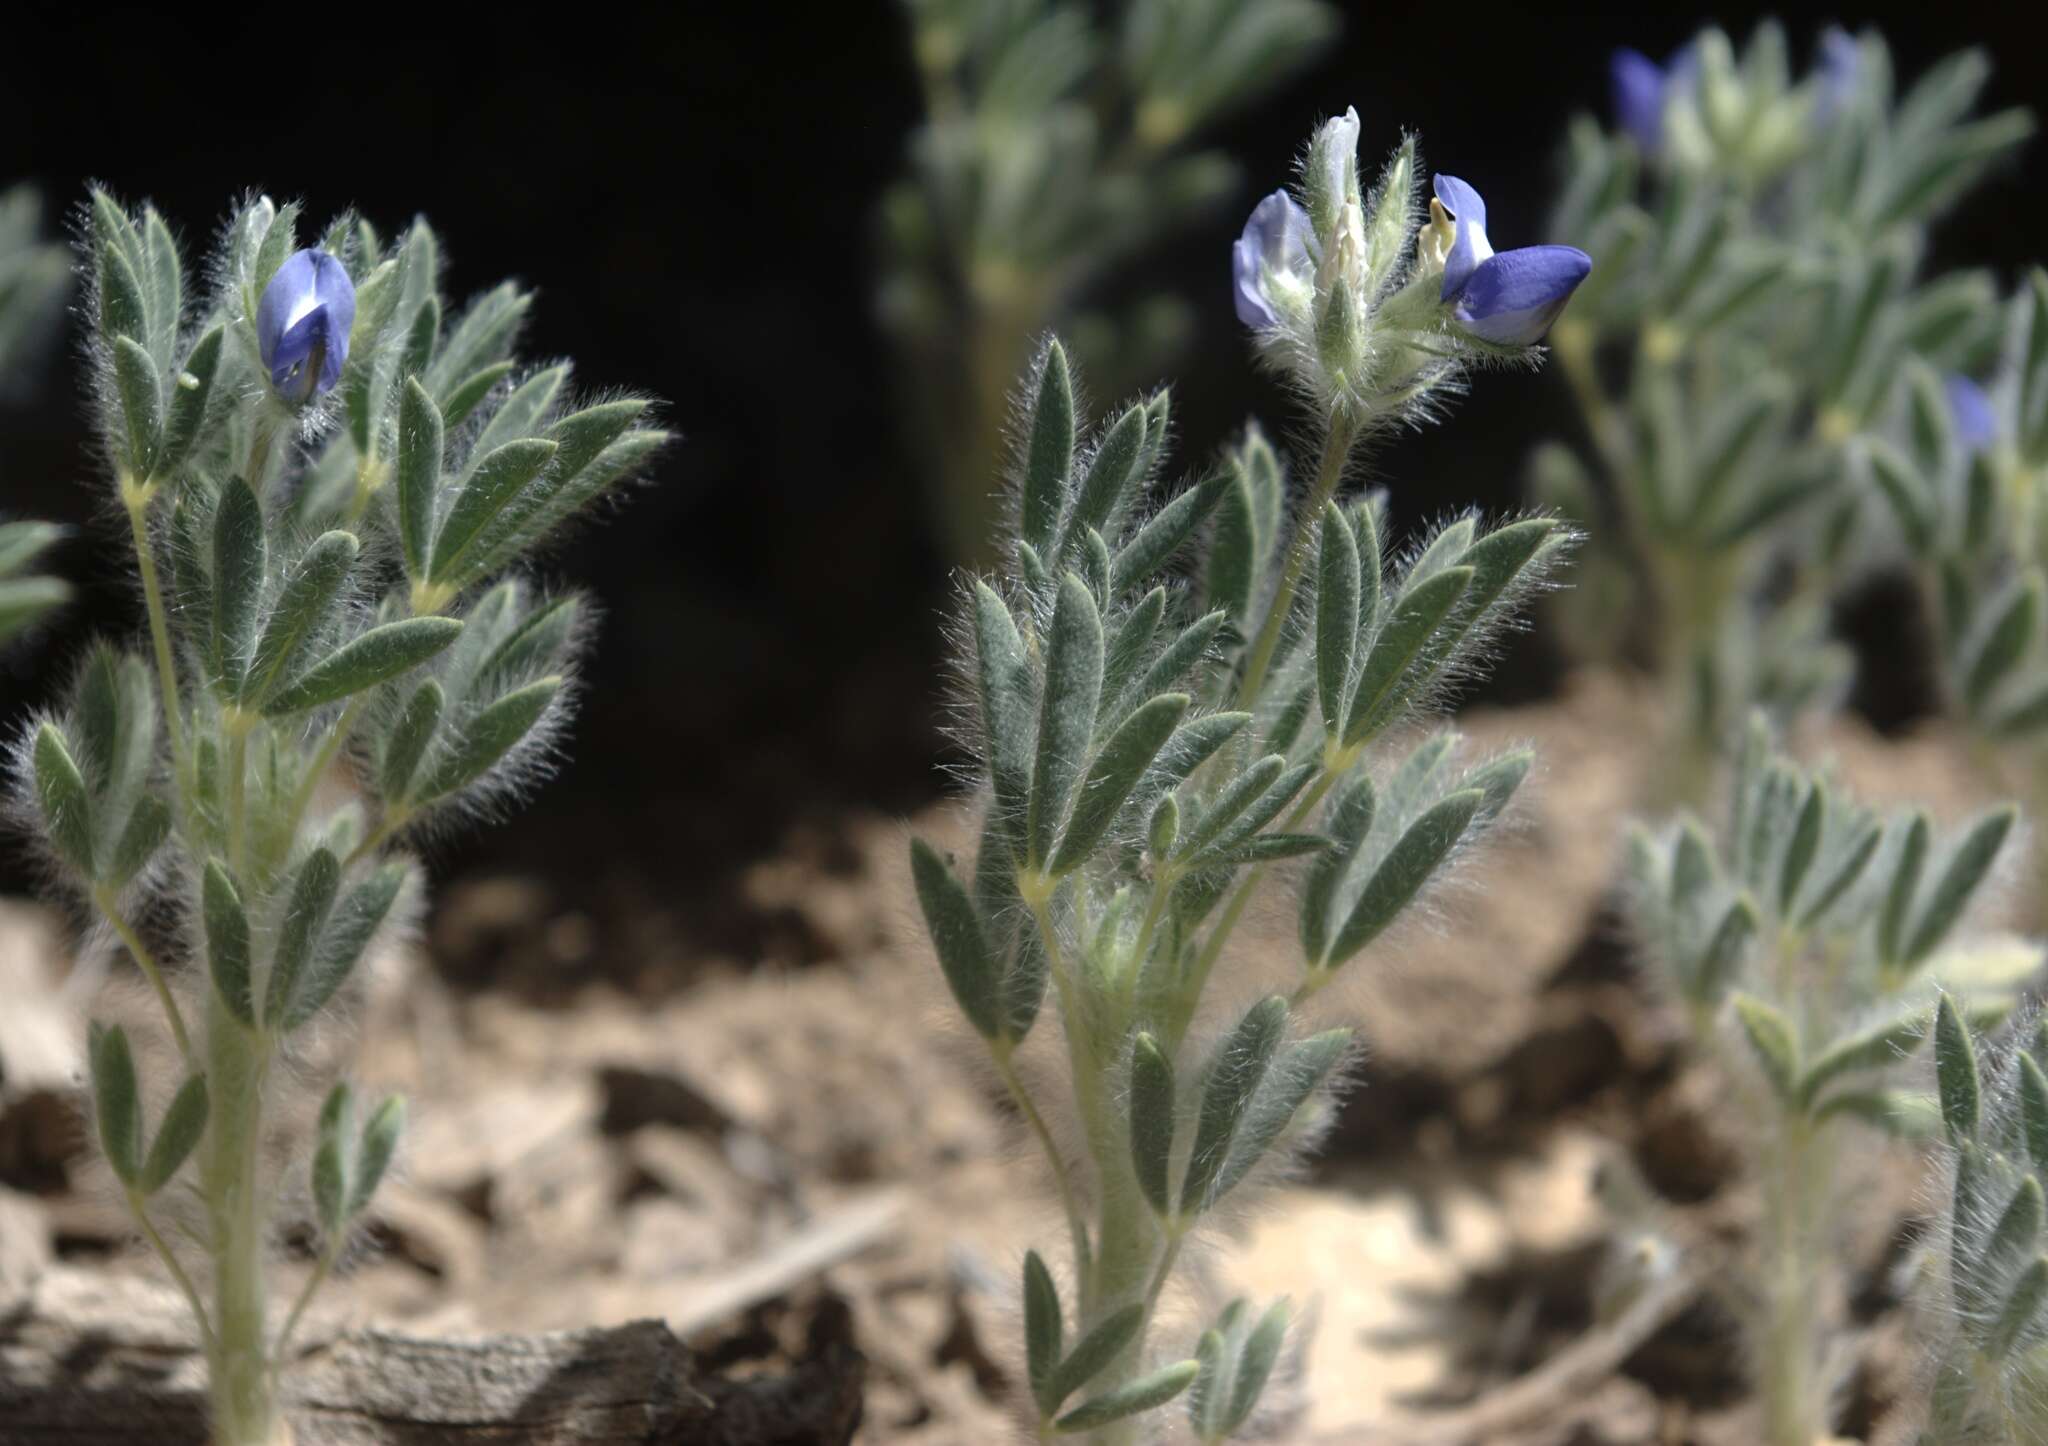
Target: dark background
column 691, row 193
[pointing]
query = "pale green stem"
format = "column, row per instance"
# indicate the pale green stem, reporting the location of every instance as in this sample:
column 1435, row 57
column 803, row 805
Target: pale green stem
column 279, row 1352
column 322, row 761
column 238, row 797
column 238, row 1059
column 1336, row 448
column 104, row 900
column 140, row 1210
column 1071, row 1202
column 135, row 498
column 1793, row 1398
column 378, row 836
column 1189, row 994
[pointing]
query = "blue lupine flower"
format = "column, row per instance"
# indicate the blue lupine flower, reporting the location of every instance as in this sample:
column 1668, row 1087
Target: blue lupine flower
column 1970, row 408
column 303, row 322
column 1509, row 298
column 1275, row 240
column 1638, row 84
column 1839, row 72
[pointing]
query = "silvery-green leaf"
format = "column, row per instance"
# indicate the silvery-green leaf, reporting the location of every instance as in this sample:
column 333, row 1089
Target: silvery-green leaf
column 142, row 404
column 958, row 940
column 1104, row 492
column 1231, row 565
column 148, row 826
column 1066, row 718
column 1237, row 796
column 2005, row 643
column 1408, row 865
column 1878, row 1048
column 183, row 1124
column 420, row 440
column 227, row 941
column 1165, row 533
column 371, row 658
column 350, row 927
column 1148, row 1391
column 2024, row 1320
column 334, row 1160
column 1297, row 1072
column 1152, row 1121
column 1008, row 696
column 1093, row 1353
column 2033, row 1092
column 1112, row 775
column 1234, row 1076
column 116, row 1101
column 1898, row 900
column 191, row 390
column 1043, row 1330
column 1347, row 822
column 1126, row 652
column 1383, row 685
column 240, row 561
column 312, row 897
column 1049, row 453
column 496, row 480
column 1337, row 590
column 309, row 601
column 1955, row 1071
column 67, row 809
column 409, row 738
column 1209, row 1395
column 1966, row 869
column 373, row 1154
column 1803, row 847
column 1255, row 1364
column 487, row 738
column 1771, row 1040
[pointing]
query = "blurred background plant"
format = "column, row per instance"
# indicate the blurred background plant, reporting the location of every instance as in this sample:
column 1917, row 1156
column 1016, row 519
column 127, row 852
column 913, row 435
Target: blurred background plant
column 1059, row 139
column 1806, row 938
column 35, row 275
column 1760, row 242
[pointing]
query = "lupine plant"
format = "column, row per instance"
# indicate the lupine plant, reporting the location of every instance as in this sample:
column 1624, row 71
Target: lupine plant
column 1812, row 929
column 1960, row 475
column 1988, row 1285
column 1760, row 242
column 1161, row 743
column 332, row 480
column 1058, row 140
column 25, row 596
column 34, row 276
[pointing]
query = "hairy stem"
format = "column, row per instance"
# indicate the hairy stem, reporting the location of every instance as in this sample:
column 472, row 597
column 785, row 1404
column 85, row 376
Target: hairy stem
column 103, row 899
column 1794, row 1394
column 322, row 761
column 135, row 498
column 140, row 1210
column 279, row 1353
column 238, row 1060
column 1077, row 1227
column 1336, row 448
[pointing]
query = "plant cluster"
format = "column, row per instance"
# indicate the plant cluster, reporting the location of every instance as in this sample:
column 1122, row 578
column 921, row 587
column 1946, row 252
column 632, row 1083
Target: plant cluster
column 1059, row 140
column 1743, row 354
column 333, row 482
column 1159, row 743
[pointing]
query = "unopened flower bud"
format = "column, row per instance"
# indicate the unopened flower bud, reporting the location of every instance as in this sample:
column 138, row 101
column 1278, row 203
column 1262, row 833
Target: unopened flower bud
column 303, row 324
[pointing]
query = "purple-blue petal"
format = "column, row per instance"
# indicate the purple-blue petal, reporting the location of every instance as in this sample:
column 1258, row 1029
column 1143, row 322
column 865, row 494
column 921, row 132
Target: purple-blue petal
column 1976, row 421
column 1463, row 203
column 1512, row 297
column 1252, row 307
column 307, row 310
column 1276, row 237
column 1840, row 72
column 1638, row 86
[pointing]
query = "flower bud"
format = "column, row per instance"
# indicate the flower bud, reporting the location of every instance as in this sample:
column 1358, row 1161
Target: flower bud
column 303, row 324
